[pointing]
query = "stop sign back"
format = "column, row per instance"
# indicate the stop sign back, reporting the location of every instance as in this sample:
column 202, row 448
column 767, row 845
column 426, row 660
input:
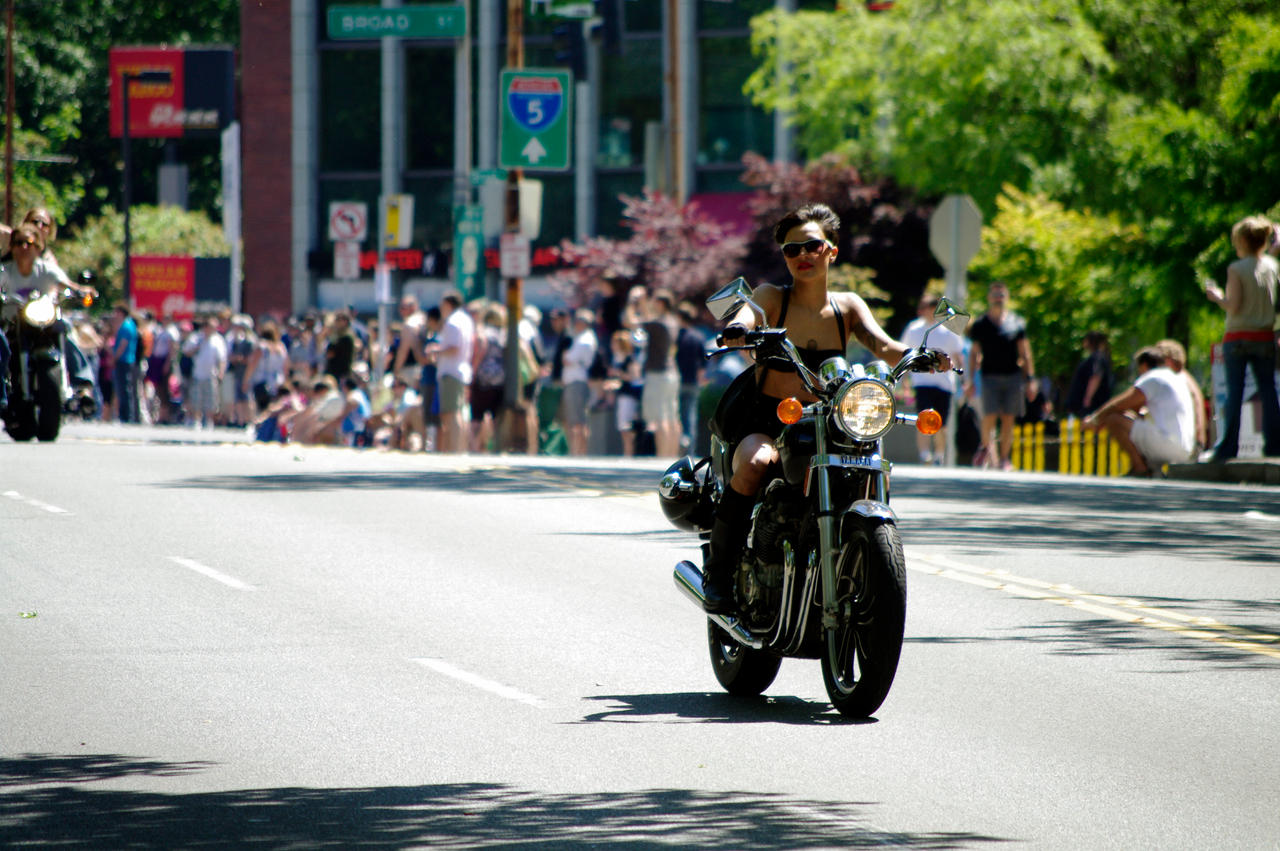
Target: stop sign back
column 955, row 231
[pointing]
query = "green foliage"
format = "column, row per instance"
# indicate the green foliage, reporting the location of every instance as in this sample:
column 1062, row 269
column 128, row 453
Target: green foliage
column 1152, row 122
column 1069, row 272
column 98, row 244
column 60, row 94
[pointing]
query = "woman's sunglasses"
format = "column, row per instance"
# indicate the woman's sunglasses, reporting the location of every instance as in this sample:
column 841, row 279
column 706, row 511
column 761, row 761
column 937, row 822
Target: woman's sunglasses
column 28, row 243
column 811, row 246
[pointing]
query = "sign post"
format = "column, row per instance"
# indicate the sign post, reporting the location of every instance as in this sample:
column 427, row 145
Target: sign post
column 955, row 235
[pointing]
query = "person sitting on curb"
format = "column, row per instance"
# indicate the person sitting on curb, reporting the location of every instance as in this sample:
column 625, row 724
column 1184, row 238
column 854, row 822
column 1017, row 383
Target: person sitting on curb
column 1167, row 433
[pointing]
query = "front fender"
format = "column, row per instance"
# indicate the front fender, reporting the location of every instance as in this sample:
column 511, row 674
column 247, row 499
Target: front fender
column 872, row 510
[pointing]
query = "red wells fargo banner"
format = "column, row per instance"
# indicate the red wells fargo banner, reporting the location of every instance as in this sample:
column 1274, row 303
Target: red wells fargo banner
column 164, row 285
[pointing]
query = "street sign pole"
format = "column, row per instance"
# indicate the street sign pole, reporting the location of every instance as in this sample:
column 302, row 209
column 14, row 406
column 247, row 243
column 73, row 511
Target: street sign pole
column 955, row 235
column 514, row 434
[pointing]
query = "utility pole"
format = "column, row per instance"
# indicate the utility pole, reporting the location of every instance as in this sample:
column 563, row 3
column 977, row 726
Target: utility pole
column 514, row 435
column 8, row 113
column 672, row 106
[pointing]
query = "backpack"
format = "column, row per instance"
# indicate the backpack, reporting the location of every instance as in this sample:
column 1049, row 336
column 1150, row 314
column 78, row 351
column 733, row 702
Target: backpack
column 491, row 371
column 968, row 429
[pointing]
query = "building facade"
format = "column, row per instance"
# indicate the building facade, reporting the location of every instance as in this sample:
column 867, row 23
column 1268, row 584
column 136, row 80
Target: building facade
column 328, row 119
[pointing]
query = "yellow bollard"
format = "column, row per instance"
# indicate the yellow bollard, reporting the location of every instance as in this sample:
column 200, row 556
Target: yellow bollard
column 1019, row 435
column 1037, row 458
column 1089, row 466
column 1064, row 444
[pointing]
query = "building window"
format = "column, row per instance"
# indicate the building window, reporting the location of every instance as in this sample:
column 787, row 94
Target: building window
column 350, row 86
column 729, row 124
column 429, row 112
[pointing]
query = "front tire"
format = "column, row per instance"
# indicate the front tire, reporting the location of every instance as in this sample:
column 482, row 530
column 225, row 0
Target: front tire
column 861, row 656
column 741, row 670
column 49, row 403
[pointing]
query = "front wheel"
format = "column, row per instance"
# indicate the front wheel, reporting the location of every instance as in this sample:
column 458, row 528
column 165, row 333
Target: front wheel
column 741, row 670
column 862, row 652
column 49, row 403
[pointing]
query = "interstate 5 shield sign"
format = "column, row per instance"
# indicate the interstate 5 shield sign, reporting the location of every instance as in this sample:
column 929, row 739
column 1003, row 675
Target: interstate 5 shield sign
column 536, row 111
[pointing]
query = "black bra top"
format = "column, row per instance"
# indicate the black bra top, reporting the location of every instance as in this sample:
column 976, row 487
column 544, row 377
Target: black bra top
column 811, row 358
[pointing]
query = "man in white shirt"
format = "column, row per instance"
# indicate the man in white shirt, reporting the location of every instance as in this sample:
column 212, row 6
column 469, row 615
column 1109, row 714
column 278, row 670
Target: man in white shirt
column 1167, row 432
column 453, row 364
column 208, row 351
column 933, row 389
column 577, row 363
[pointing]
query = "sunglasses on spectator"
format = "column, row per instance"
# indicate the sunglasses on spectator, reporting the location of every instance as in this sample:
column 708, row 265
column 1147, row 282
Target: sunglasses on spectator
column 31, row 243
column 810, row 246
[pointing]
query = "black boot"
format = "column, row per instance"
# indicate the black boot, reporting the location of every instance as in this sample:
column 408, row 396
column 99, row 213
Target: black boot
column 728, row 536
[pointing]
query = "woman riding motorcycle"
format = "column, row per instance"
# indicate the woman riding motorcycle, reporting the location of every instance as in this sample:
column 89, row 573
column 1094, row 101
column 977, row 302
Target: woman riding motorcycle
column 819, row 323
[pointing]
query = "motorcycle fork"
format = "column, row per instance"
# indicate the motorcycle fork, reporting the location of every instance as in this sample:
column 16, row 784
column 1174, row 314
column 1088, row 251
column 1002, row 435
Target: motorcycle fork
column 828, row 537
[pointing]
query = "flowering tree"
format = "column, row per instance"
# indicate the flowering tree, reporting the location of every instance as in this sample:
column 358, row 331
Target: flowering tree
column 672, row 246
column 884, row 230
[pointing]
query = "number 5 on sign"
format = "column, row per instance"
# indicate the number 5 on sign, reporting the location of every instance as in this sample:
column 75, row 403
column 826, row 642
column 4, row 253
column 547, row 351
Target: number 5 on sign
column 537, row 107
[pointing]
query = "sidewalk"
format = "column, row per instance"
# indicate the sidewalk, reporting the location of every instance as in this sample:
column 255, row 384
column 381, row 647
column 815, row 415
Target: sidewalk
column 1254, row 471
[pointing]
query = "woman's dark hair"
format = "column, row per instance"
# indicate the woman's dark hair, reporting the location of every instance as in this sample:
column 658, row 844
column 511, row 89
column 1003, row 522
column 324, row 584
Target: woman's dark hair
column 1150, row 357
column 820, row 213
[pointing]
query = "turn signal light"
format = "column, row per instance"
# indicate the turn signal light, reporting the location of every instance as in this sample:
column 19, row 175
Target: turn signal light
column 929, row 421
column 789, row 411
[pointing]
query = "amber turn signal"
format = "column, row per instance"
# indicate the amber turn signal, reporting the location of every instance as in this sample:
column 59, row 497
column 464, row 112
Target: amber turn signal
column 929, row 421
column 789, row 411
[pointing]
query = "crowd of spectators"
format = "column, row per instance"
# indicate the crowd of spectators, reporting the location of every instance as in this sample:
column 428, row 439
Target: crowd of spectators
column 437, row 383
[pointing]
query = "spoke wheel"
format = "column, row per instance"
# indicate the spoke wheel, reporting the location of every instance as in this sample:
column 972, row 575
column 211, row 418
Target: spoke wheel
column 862, row 653
column 740, row 670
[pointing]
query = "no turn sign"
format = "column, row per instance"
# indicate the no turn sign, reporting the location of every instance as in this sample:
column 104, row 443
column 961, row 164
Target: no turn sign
column 348, row 221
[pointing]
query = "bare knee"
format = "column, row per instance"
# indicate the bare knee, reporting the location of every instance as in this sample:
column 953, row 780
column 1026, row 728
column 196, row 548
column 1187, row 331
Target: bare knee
column 751, row 462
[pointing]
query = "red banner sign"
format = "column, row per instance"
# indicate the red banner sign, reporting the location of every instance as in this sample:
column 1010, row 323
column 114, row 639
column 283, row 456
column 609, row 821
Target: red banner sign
column 197, row 99
column 164, row 285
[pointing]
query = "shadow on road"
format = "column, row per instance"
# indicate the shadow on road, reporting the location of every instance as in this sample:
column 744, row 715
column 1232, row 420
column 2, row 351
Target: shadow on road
column 717, row 708
column 1107, row 521
column 464, row 815
column 498, row 479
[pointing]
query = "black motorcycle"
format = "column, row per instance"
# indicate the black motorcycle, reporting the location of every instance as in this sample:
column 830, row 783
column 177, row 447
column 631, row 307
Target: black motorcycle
column 822, row 575
column 37, row 382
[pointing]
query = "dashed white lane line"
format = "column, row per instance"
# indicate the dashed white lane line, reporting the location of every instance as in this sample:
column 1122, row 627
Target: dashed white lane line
column 477, row 681
column 35, row 503
column 216, row 575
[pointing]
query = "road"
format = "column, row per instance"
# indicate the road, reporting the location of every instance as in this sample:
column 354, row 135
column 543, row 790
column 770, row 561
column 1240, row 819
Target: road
column 267, row 647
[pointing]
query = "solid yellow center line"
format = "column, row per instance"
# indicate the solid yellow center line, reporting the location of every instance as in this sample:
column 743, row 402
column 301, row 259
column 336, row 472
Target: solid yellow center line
column 1116, row 608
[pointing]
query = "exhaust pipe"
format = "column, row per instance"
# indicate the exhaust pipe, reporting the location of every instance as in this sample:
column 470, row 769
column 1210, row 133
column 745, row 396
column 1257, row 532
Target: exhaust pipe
column 689, row 580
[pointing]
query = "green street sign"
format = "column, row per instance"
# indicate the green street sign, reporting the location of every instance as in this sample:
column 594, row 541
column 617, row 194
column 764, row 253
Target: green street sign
column 435, row 20
column 468, row 250
column 537, row 112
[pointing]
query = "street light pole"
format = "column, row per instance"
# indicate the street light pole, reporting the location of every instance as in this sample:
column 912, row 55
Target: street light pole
column 126, row 152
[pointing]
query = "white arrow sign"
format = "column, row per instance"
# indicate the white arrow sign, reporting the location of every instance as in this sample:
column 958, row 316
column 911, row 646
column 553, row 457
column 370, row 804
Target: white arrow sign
column 533, row 151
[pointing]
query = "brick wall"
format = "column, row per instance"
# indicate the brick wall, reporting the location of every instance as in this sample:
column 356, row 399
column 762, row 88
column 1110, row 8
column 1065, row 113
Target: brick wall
column 266, row 116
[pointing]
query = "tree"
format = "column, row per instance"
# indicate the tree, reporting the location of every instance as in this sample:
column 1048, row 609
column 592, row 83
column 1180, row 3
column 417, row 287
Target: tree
column 1069, row 272
column 98, row 245
column 884, row 230
column 674, row 247
column 1156, row 114
column 60, row 93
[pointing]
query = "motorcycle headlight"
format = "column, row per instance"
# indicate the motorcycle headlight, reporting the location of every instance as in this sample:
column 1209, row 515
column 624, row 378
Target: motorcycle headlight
column 864, row 409
column 40, row 312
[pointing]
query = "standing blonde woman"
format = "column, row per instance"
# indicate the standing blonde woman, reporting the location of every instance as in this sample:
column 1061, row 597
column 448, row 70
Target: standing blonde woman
column 1249, row 339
